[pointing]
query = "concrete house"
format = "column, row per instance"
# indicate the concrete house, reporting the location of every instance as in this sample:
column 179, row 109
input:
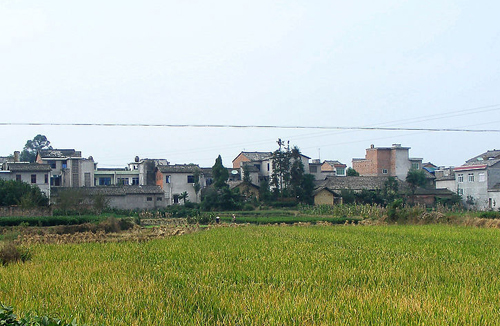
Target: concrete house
column 478, row 181
column 31, row 173
column 124, row 197
column 179, row 178
column 69, row 168
column 386, row 161
column 260, row 165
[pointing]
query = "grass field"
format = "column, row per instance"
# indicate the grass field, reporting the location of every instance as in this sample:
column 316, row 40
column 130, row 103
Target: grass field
column 269, row 275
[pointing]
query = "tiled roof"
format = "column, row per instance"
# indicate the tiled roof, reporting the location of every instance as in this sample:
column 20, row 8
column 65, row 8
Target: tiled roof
column 29, row 167
column 335, row 163
column 354, row 183
column 484, row 157
column 59, row 153
column 257, row 156
column 179, row 168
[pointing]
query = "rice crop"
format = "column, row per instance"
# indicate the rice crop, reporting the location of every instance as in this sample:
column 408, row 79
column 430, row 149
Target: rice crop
column 268, row 275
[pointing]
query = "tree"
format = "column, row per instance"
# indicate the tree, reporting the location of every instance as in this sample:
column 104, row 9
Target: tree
column 390, row 190
column 20, row 193
column 197, row 185
column 32, row 147
column 183, row 196
column 280, row 178
column 246, row 174
column 352, row 173
column 220, row 174
column 416, row 178
column 296, row 174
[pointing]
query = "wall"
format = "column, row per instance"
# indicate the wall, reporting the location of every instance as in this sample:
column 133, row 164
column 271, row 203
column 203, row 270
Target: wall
column 324, row 197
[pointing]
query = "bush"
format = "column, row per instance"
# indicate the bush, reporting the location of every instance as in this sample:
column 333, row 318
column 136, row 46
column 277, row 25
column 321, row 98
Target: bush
column 490, row 214
column 7, row 317
column 204, row 218
column 10, row 253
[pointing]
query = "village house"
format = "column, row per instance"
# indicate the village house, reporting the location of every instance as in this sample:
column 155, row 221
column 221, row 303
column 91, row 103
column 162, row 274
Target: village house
column 177, row 179
column 386, row 161
column 69, row 168
column 478, row 181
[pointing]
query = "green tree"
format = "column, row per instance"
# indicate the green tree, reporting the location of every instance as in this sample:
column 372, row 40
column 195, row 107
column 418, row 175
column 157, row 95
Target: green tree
column 352, row 173
column 296, row 174
column 20, row 193
column 264, row 191
column 220, row 174
column 280, row 178
column 416, row 178
column 246, row 174
column 183, row 196
column 197, row 185
column 32, row 147
column 390, row 192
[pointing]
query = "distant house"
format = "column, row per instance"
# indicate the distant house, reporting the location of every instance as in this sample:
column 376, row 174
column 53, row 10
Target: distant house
column 179, row 178
column 260, row 164
column 478, row 181
column 329, row 191
column 31, row 173
column 69, row 168
column 247, row 190
column 125, row 197
column 386, row 161
column 339, row 169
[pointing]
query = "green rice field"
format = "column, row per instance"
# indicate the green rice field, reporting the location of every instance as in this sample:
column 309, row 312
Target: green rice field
column 268, row 275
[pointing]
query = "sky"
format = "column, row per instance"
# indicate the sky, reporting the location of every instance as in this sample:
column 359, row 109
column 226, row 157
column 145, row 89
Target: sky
column 387, row 63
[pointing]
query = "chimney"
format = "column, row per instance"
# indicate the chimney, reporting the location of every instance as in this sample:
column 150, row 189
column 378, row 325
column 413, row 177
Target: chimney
column 16, row 156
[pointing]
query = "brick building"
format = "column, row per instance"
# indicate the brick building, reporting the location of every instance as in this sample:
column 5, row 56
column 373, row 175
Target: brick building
column 386, row 161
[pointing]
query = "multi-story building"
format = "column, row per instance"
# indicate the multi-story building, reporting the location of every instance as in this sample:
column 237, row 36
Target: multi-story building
column 386, row 161
column 177, row 179
column 69, row 168
column 478, row 181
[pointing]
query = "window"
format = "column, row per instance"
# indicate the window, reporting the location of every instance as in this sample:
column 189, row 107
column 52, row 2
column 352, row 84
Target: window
column 460, row 192
column 46, row 178
column 53, row 165
column 313, row 169
column 268, row 166
column 105, row 181
column 415, row 166
column 64, row 164
column 384, row 171
column 460, row 177
column 33, row 178
column 176, row 199
column 18, row 177
column 159, row 199
column 135, row 181
column 470, row 177
column 123, row 181
column 149, row 198
column 167, row 179
column 190, row 178
column 341, row 171
column 481, row 177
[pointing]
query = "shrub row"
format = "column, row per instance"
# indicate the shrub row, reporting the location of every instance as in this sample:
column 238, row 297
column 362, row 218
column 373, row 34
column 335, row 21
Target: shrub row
column 7, row 317
column 49, row 220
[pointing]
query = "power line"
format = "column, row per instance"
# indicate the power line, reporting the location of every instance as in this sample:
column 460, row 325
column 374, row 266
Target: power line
column 148, row 125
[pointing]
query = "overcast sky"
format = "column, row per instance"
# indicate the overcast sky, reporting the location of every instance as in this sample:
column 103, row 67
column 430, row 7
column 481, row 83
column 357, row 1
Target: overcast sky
column 390, row 63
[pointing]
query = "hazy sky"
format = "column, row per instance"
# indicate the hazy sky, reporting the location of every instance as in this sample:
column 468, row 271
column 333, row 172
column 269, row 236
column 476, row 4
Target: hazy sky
column 416, row 64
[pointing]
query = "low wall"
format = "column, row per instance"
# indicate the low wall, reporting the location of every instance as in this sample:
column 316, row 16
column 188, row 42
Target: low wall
column 29, row 212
